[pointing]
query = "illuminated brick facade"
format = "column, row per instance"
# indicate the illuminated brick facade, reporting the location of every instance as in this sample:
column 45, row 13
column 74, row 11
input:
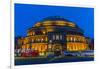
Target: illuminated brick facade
column 53, row 34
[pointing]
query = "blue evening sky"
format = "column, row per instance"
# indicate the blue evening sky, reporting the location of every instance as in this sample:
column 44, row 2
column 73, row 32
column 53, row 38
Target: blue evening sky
column 26, row 15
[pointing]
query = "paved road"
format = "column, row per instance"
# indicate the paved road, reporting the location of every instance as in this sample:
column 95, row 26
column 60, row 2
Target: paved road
column 44, row 60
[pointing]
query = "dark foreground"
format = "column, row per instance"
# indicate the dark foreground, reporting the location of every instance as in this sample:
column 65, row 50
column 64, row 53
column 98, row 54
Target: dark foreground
column 44, row 60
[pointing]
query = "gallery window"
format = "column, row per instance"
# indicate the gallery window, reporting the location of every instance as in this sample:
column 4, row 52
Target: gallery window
column 53, row 37
column 57, row 37
column 60, row 37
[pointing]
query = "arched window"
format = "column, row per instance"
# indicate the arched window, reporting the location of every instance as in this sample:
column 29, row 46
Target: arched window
column 71, row 38
column 74, row 39
column 53, row 37
column 68, row 39
column 57, row 37
column 61, row 37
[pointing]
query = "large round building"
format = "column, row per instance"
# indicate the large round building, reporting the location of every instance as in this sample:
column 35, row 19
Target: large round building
column 54, row 35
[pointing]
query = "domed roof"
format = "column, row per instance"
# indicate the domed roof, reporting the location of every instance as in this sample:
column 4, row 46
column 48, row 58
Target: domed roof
column 55, row 18
column 55, row 21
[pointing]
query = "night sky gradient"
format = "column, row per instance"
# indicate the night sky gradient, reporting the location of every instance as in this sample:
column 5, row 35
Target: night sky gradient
column 26, row 15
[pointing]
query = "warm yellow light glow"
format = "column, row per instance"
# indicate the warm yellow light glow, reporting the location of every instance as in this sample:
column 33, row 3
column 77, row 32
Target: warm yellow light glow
column 27, row 46
column 50, row 29
column 38, row 24
column 76, row 46
column 44, row 32
column 30, row 33
column 57, row 23
column 75, row 38
column 47, row 24
column 25, row 41
column 71, row 24
column 33, row 33
column 39, row 42
column 23, row 47
column 46, row 39
column 39, row 46
column 60, row 23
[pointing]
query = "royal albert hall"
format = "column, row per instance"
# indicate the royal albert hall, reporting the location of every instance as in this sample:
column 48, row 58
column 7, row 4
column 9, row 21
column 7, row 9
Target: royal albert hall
column 53, row 35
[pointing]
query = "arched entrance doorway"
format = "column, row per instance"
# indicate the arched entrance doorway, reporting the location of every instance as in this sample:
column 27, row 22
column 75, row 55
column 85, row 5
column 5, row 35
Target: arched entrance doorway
column 57, row 49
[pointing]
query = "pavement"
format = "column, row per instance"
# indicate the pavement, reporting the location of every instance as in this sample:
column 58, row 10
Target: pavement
column 45, row 60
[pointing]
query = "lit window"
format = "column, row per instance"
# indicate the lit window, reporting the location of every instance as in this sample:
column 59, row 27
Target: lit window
column 60, row 37
column 33, row 33
column 74, row 39
column 67, row 39
column 49, row 46
column 32, row 40
column 83, row 40
column 46, row 39
column 36, row 48
column 50, row 41
column 71, row 38
column 53, row 37
column 43, row 32
column 57, row 37
column 38, row 39
column 42, row 39
column 78, row 39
